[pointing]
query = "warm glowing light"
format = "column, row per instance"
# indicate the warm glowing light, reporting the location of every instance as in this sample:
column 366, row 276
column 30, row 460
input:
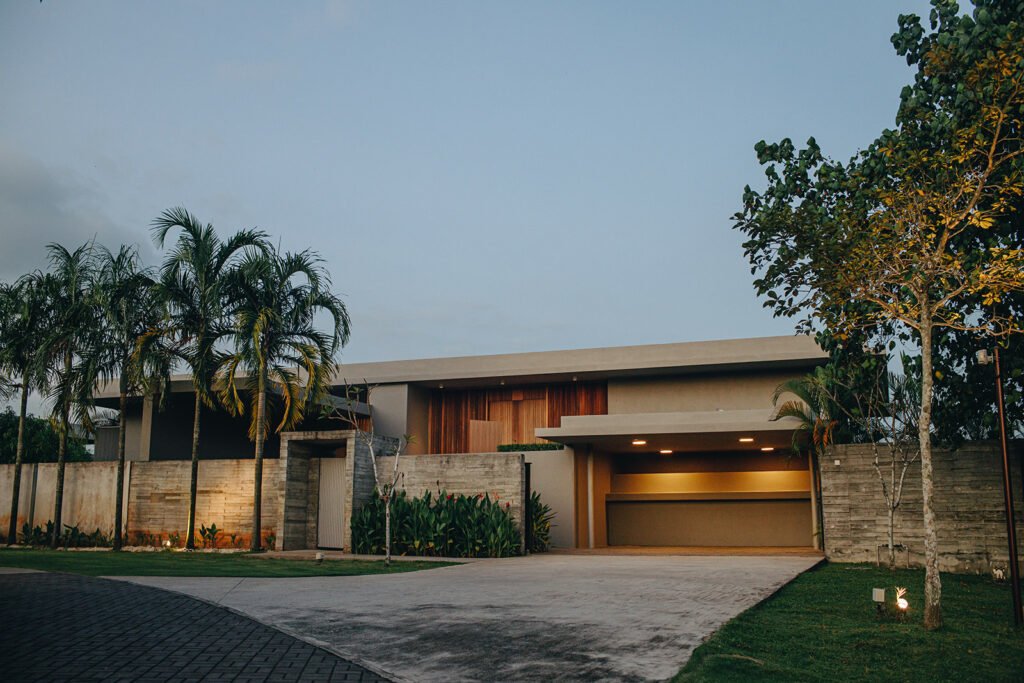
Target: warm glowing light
column 747, row 439
column 901, row 601
column 665, row 451
column 768, row 448
column 639, row 442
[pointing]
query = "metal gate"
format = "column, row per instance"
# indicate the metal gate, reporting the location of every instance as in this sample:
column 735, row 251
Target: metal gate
column 330, row 527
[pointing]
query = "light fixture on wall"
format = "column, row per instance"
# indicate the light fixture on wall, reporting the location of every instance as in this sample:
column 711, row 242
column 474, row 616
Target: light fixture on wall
column 746, row 439
column 639, row 442
column 768, row 448
column 665, row 451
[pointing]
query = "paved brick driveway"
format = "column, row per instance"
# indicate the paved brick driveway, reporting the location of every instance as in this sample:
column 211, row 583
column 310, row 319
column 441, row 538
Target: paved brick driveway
column 539, row 618
column 70, row 627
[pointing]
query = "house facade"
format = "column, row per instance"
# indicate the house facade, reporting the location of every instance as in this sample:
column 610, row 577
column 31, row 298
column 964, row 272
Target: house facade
column 655, row 445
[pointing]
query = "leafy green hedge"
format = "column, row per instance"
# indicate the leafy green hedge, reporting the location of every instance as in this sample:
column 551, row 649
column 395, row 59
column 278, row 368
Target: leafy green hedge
column 442, row 526
column 517, row 447
column 541, row 516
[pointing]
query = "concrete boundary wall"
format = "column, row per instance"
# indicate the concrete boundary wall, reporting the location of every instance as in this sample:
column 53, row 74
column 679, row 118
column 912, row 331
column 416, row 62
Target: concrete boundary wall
column 968, row 501
column 155, row 497
column 89, row 490
column 156, row 492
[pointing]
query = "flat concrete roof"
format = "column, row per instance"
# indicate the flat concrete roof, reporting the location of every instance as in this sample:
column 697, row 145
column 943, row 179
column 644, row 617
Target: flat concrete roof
column 685, row 431
column 728, row 355
column 592, row 364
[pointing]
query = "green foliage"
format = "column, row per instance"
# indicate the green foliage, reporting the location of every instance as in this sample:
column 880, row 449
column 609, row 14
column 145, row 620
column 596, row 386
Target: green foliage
column 40, row 441
column 73, row 537
column 445, row 526
column 142, row 539
column 540, row 520
column 522, row 447
column 824, row 627
column 209, row 535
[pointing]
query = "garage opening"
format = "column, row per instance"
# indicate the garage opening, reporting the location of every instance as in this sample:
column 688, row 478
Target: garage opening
column 739, row 499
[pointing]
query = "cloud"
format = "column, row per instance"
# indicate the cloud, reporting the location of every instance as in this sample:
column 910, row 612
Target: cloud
column 40, row 205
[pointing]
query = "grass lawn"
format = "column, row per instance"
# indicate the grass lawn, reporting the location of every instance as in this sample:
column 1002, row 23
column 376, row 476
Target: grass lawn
column 822, row 626
column 167, row 563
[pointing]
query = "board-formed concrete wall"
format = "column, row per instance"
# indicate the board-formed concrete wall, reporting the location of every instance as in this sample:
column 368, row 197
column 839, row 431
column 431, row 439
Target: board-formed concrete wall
column 470, row 474
column 158, row 498
column 968, row 503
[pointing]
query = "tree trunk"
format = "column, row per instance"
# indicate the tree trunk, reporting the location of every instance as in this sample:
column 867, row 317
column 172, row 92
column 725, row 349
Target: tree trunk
column 893, row 497
column 119, row 491
column 387, row 531
column 892, row 539
column 932, row 582
column 12, row 534
column 257, row 495
column 190, row 534
column 62, row 451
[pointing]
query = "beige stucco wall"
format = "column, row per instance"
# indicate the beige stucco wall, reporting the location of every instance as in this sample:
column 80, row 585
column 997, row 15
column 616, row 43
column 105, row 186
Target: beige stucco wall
column 89, row 489
column 390, row 409
column 551, row 475
column 418, row 420
column 726, row 391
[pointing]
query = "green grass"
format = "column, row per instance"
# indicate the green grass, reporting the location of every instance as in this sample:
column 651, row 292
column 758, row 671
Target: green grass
column 167, row 563
column 822, row 626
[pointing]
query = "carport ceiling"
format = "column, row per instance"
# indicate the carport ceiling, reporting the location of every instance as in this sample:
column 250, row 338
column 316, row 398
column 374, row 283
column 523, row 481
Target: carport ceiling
column 741, row 430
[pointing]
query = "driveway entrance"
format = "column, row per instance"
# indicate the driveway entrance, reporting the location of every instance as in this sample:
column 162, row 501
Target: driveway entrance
column 568, row 617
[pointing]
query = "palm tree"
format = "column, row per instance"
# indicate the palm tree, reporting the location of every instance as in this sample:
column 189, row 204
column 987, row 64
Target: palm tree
column 278, row 347
column 22, row 322
column 72, row 324
column 811, row 408
column 191, row 284
column 132, row 309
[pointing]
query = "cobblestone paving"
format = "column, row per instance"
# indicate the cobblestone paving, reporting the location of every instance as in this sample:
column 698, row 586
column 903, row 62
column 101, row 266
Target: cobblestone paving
column 63, row 627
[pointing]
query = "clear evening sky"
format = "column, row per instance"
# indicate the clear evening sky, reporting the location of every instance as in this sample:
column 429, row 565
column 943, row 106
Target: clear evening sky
column 480, row 177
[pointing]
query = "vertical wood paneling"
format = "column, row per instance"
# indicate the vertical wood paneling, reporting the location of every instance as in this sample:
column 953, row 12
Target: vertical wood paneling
column 519, row 409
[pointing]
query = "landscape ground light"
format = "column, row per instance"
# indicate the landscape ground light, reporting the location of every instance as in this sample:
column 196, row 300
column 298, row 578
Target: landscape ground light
column 1011, row 532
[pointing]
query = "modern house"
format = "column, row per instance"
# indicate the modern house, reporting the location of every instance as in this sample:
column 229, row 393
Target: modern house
column 666, row 444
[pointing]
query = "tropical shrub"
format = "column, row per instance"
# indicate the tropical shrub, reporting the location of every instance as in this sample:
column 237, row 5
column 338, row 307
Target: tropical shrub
column 73, row 537
column 443, row 526
column 521, row 447
column 540, row 523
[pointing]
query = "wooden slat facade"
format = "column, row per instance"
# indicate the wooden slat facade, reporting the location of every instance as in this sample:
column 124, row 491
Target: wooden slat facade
column 519, row 410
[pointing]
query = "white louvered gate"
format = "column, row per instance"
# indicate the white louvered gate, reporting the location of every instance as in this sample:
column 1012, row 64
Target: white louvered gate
column 330, row 528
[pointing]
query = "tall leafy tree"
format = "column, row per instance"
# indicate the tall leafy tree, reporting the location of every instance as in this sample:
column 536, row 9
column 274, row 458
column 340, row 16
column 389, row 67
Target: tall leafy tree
column 22, row 323
column 131, row 309
column 72, row 324
column 279, row 348
column 907, row 234
column 191, row 283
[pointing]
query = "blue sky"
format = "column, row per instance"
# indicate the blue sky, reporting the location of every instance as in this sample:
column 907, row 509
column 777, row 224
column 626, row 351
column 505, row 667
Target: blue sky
column 479, row 177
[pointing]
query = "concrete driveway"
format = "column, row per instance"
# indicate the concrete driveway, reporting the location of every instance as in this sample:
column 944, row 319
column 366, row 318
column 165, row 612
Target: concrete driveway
column 567, row 617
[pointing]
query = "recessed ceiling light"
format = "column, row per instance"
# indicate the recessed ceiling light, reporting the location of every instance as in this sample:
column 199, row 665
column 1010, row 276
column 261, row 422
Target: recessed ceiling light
column 768, row 448
column 639, row 442
column 746, row 439
column 665, row 451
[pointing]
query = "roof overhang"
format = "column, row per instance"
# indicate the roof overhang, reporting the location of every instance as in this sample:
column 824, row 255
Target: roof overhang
column 797, row 351
column 679, row 432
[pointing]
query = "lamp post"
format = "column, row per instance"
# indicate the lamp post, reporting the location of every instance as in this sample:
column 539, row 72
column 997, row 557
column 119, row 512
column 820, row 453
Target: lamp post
column 1011, row 532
